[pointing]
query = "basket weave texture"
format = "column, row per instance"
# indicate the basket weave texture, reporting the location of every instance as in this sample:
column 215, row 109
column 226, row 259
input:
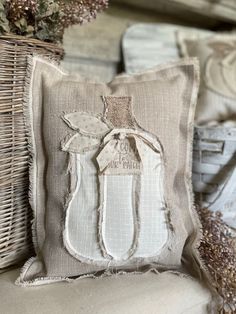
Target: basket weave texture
column 15, row 212
column 214, row 170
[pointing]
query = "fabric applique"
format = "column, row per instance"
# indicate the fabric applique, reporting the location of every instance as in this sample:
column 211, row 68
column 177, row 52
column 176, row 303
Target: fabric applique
column 124, row 152
column 119, row 112
column 87, row 124
column 119, row 156
column 117, row 203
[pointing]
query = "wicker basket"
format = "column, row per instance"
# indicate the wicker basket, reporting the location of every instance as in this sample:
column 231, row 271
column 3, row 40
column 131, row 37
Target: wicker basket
column 15, row 214
column 214, row 170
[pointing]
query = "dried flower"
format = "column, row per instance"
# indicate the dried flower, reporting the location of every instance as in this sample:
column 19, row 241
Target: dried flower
column 218, row 250
column 4, row 25
column 80, row 11
column 18, row 9
column 46, row 19
column 20, row 14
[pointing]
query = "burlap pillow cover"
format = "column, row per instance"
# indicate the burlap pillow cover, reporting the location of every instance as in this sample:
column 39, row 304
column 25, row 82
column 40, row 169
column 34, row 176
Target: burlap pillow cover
column 111, row 172
column 217, row 56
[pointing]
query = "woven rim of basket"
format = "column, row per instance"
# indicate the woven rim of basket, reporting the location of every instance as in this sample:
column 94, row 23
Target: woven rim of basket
column 32, row 42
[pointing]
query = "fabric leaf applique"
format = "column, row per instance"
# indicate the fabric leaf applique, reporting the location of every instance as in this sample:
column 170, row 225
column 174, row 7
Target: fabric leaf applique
column 86, row 123
column 79, row 143
column 90, row 131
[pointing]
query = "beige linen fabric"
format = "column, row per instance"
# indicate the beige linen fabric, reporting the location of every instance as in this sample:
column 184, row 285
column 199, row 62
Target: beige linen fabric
column 217, row 56
column 158, row 107
column 150, row 293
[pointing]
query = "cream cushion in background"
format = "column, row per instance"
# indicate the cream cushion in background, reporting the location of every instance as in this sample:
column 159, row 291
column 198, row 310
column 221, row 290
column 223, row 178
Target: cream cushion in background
column 149, row 293
column 94, row 50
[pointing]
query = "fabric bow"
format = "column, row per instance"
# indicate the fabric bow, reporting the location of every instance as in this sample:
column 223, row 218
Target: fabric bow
column 142, row 145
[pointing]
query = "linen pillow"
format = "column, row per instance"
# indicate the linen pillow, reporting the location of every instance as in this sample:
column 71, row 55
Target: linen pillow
column 217, row 56
column 110, row 172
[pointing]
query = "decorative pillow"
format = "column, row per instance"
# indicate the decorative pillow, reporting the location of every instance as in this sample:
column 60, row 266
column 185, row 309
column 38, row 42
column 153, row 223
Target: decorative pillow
column 161, row 40
column 217, row 55
column 110, row 172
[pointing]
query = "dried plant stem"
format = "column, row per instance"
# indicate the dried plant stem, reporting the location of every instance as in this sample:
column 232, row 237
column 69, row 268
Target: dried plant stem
column 218, row 250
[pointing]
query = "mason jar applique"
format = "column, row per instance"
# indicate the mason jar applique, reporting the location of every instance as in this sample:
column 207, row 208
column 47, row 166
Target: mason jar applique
column 116, row 208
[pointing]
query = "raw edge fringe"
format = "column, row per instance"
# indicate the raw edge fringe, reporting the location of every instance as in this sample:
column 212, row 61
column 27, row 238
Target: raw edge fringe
column 20, row 280
column 28, row 121
column 42, row 280
column 136, row 216
column 102, row 183
column 188, row 179
column 108, row 273
column 27, row 113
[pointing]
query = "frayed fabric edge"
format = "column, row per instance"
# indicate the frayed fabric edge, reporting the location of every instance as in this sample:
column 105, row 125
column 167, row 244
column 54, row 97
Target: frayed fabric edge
column 39, row 281
column 195, row 243
column 28, row 120
column 43, row 280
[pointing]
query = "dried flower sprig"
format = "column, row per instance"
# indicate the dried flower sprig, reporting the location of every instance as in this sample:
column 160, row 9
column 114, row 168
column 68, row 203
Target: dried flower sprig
column 4, row 24
column 80, row 11
column 46, row 19
column 218, row 250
